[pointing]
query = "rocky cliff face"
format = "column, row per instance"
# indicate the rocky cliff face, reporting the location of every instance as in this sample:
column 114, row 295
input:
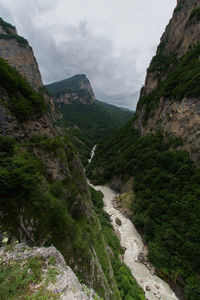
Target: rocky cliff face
column 170, row 99
column 76, row 89
column 17, row 51
column 44, row 193
column 33, row 132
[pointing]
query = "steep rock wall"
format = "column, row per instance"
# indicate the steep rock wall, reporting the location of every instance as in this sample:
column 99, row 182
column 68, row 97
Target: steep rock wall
column 44, row 193
column 19, row 54
column 168, row 101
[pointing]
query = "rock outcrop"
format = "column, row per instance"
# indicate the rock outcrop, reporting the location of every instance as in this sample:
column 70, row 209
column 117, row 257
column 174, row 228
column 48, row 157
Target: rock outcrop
column 170, row 99
column 16, row 50
column 58, row 279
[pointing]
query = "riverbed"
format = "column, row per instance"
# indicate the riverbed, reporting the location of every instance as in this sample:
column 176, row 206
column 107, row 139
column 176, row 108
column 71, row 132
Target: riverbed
column 154, row 287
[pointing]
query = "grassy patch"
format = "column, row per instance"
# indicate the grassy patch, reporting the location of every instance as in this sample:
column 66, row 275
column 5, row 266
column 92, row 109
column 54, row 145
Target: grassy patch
column 25, row 279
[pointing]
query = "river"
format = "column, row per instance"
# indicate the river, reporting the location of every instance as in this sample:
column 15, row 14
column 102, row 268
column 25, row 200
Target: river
column 92, row 153
column 154, row 287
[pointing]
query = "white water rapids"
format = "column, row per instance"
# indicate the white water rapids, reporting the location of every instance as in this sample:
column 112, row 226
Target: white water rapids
column 154, row 287
column 131, row 240
column 92, row 153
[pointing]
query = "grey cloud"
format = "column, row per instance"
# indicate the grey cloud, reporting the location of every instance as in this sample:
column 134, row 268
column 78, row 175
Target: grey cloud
column 112, row 77
column 5, row 13
column 119, row 99
column 63, row 50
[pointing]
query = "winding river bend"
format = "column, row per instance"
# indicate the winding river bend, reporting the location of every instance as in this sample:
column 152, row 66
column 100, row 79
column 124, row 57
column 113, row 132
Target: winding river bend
column 154, row 287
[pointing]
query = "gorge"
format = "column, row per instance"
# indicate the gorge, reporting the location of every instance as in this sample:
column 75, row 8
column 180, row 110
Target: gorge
column 131, row 241
column 96, row 196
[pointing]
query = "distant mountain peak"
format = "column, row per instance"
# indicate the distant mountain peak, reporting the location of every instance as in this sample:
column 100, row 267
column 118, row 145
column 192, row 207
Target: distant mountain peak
column 76, row 89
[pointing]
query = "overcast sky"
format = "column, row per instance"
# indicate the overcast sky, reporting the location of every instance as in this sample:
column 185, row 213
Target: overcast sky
column 111, row 41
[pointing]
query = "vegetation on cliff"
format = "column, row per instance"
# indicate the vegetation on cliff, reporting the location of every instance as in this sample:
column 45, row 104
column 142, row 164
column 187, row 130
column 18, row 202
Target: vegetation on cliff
column 194, row 16
column 11, row 36
column 56, row 214
column 44, row 204
column 23, row 181
column 6, row 26
column 182, row 78
column 10, row 33
column 22, row 100
column 127, row 286
column 166, row 206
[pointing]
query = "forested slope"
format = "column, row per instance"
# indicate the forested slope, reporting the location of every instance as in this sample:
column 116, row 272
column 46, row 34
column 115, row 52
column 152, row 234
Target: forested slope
column 44, row 195
column 159, row 150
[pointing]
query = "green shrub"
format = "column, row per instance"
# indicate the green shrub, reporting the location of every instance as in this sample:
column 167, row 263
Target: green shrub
column 7, row 144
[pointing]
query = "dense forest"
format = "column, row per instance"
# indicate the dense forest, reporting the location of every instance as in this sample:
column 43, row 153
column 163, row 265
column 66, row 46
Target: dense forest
column 166, row 193
column 89, row 124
